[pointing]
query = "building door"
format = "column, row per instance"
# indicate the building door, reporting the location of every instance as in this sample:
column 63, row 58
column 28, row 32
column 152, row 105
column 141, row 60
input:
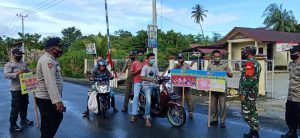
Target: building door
column 270, row 51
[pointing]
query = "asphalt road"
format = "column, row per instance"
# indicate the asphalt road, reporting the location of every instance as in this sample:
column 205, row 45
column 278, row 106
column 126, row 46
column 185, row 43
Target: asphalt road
column 117, row 125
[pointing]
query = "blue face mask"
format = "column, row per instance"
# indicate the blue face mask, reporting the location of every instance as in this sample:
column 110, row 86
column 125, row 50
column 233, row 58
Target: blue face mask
column 152, row 61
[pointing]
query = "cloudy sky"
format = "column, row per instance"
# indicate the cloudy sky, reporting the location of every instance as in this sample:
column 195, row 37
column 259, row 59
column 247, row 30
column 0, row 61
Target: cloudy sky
column 48, row 17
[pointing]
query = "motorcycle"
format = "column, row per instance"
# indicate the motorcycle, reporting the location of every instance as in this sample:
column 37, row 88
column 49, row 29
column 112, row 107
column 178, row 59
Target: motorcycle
column 103, row 92
column 164, row 103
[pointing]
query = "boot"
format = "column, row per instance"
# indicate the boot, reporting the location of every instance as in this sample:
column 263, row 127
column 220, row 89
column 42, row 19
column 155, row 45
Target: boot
column 14, row 127
column 252, row 134
column 291, row 134
column 25, row 122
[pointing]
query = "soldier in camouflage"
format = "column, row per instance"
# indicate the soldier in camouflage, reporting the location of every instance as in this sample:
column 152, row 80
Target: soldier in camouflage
column 249, row 90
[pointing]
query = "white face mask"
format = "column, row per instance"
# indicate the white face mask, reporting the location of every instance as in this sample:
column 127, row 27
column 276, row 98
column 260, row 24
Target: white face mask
column 152, row 61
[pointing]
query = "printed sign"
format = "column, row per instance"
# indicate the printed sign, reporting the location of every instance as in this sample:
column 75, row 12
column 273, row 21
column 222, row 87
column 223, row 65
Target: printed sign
column 200, row 80
column 152, row 36
column 91, row 49
column 283, row 47
column 28, row 82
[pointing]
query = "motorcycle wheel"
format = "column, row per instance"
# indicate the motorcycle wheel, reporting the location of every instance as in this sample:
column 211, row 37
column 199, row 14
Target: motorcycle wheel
column 176, row 116
column 103, row 110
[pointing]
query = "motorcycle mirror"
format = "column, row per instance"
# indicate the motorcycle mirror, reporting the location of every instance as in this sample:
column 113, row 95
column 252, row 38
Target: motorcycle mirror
column 169, row 71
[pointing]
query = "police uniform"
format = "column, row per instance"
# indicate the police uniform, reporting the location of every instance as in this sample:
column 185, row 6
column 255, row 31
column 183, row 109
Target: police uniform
column 19, row 101
column 49, row 91
column 292, row 114
column 249, row 84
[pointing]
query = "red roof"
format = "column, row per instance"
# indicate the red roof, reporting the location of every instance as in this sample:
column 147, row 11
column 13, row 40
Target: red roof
column 262, row 35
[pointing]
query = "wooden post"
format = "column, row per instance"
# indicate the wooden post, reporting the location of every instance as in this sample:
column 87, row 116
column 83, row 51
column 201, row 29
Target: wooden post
column 182, row 101
column 209, row 105
column 36, row 111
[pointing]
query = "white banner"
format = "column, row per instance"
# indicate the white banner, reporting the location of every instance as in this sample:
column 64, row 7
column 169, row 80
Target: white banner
column 284, row 47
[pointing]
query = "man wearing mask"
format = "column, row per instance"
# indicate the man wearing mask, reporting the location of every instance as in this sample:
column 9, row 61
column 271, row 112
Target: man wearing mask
column 249, row 83
column 218, row 97
column 292, row 113
column 19, row 101
column 49, row 90
column 129, row 80
column 149, row 74
column 187, row 90
column 136, row 69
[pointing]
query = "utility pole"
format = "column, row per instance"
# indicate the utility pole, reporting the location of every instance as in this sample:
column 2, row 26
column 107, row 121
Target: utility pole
column 154, row 19
column 23, row 47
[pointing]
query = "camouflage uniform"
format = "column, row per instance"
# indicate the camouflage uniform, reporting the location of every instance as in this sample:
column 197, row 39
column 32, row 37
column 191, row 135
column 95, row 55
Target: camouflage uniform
column 249, row 89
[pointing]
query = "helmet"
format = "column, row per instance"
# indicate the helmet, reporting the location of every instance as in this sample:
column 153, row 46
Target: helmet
column 180, row 55
column 249, row 50
column 101, row 62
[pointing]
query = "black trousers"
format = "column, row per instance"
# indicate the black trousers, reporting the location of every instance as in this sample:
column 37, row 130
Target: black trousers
column 292, row 114
column 19, row 105
column 50, row 118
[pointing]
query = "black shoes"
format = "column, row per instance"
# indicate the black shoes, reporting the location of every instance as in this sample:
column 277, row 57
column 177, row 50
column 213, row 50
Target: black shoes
column 290, row 134
column 252, row 134
column 25, row 122
column 222, row 125
column 124, row 110
column 214, row 123
column 14, row 127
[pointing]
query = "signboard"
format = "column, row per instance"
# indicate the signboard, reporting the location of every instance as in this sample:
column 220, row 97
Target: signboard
column 199, row 79
column 28, row 82
column 152, row 36
column 284, row 47
column 91, row 49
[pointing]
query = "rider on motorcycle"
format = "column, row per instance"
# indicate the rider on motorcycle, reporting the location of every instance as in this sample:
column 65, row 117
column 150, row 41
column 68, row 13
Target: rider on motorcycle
column 149, row 74
column 101, row 74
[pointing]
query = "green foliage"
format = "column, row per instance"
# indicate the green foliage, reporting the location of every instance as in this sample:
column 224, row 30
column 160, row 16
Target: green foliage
column 279, row 19
column 198, row 14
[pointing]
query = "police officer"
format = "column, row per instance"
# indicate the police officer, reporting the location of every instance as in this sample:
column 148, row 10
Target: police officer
column 48, row 95
column 129, row 80
column 292, row 113
column 218, row 98
column 249, row 83
column 19, row 101
column 187, row 91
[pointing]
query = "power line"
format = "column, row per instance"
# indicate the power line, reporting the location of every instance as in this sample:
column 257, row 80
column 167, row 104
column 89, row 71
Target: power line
column 50, row 6
column 186, row 26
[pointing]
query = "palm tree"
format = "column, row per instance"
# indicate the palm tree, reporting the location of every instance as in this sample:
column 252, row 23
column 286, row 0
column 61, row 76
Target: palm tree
column 279, row 19
column 198, row 14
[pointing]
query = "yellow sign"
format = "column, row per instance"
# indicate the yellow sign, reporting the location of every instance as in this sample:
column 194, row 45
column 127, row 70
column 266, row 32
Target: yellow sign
column 28, row 82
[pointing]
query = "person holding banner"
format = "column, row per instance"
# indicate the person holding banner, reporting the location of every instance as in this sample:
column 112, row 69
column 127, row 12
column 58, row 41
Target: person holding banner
column 249, row 84
column 218, row 97
column 50, row 87
column 19, row 101
column 182, row 65
column 292, row 113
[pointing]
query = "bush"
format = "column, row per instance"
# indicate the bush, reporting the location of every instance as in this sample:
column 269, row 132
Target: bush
column 72, row 63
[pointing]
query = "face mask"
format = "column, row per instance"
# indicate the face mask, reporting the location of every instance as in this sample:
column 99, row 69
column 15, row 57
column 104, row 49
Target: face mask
column 217, row 60
column 18, row 58
column 140, row 58
column 294, row 56
column 152, row 61
column 58, row 53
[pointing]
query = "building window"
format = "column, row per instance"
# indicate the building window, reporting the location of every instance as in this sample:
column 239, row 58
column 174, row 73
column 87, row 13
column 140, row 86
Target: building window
column 261, row 51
